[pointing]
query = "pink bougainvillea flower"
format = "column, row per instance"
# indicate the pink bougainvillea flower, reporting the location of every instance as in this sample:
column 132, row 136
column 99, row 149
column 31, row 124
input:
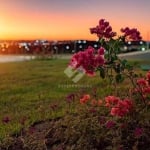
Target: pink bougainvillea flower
column 86, row 96
column 121, row 107
column 103, row 30
column 148, row 77
column 70, row 97
column 90, row 73
column 115, row 111
column 101, row 51
column 100, row 102
column 131, row 34
column 110, row 124
column 112, row 100
column 142, row 82
column 94, row 102
column 138, row 132
column 85, row 99
column 99, row 61
column 6, row 119
column 107, row 105
column 146, row 90
column 128, row 103
column 82, row 101
column 118, row 107
column 88, row 60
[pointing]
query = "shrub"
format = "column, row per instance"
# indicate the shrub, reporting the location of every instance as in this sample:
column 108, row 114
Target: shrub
column 112, row 122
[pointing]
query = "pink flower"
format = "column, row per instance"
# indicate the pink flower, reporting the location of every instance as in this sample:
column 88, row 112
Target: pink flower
column 90, row 73
column 6, row 119
column 100, row 102
column 103, row 30
column 128, row 103
column 146, row 90
column 85, row 99
column 110, row 124
column 101, row 22
column 115, row 111
column 112, row 100
column 88, row 60
column 138, row 132
column 109, row 29
column 131, row 34
column 148, row 76
column 142, row 82
column 99, row 60
column 101, row 51
column 107, row 105
column 121, row 107
column 70, row 97
column 94, row 102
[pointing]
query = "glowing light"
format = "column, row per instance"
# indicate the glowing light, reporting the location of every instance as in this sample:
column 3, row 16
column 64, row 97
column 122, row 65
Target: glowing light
column 84, row 41
column 141, row 42
column 79, row 41
column 80, row 46
column 67, row 47
column 95, row 45
column 125, row 47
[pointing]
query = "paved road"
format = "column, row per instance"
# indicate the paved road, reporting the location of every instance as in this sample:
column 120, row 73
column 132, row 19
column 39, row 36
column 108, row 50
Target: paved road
column 14, row 58
column 133, row 55
column 145, row 55
column 139, row 55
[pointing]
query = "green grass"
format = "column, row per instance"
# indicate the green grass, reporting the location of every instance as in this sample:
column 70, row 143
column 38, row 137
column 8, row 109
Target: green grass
column 27, row 89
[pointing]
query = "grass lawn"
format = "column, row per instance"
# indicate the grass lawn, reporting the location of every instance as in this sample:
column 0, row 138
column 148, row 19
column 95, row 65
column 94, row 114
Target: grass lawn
column 28, row 89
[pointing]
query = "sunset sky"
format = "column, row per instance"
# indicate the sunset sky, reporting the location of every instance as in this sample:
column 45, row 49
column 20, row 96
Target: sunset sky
column 70, row 19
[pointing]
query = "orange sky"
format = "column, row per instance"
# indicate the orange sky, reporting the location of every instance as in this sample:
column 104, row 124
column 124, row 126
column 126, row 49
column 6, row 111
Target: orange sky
column 69, row 20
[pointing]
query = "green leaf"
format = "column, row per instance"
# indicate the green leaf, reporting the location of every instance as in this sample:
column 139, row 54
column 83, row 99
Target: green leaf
column 113, row 58
column 124, row 62
column 117, row 68
column 129, row 67
column 119, row 78
column 102, row 72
